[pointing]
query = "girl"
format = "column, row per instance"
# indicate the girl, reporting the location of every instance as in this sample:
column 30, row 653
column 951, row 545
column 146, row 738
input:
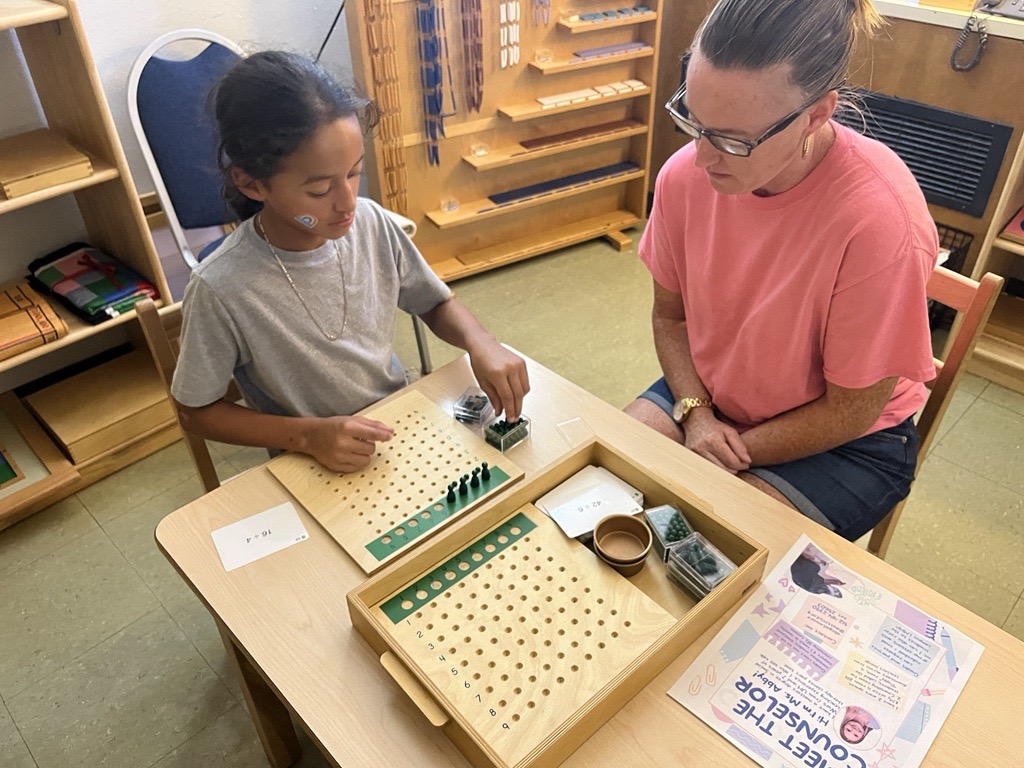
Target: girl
column 790, row 257
column 298, row 303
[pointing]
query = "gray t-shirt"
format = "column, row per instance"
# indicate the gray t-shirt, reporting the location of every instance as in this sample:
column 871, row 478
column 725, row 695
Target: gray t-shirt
column 241, row 318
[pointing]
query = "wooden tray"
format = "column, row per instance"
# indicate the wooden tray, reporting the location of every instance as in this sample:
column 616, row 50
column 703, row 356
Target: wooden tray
column 400, row 499
column 518, row 641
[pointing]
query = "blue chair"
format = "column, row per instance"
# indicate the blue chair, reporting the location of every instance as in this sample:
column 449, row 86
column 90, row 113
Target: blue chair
column 169, row 110
column 167, row 104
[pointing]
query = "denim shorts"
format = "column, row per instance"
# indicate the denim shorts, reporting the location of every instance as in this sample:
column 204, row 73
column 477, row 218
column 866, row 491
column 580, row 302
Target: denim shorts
column 848, row 489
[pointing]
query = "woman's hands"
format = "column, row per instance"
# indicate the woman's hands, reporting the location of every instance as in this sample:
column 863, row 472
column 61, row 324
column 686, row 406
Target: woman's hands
column 346, row 443
column 716, row 441
column 501, row 375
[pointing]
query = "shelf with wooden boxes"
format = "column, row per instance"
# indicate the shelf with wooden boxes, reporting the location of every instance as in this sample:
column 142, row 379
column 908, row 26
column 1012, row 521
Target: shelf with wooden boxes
column 999, row 354
column 67, row 86
column 461, row 230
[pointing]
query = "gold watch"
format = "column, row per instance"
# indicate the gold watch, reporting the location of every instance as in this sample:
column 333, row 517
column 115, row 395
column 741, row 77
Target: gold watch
column 681, row 410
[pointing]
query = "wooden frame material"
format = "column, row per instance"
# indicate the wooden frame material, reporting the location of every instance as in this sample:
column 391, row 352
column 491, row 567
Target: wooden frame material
column 67, row 83
column 688, row 618
column 489, row 236
column 975, row 301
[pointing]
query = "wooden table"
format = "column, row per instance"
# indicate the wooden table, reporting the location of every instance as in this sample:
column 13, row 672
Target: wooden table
column 285, row 621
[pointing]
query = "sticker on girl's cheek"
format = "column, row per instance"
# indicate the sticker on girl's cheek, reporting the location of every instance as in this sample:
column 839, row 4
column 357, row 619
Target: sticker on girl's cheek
column 307, row 220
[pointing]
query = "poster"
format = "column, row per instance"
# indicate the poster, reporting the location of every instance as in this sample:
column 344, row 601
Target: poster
column 821, row 667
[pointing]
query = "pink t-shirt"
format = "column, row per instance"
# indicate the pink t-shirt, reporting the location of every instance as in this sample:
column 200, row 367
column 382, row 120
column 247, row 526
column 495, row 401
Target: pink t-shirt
column 824, row 282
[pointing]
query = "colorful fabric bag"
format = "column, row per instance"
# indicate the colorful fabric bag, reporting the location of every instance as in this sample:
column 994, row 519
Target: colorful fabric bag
column 93, row 285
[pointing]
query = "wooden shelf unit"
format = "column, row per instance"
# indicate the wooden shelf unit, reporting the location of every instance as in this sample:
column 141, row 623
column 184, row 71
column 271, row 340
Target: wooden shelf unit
column 573, row 65
column 1009, row 246
column 581, row 27
column 22, row 13
column 68, row 87
column 498, row 158
column 999, row 354
column 468, row 241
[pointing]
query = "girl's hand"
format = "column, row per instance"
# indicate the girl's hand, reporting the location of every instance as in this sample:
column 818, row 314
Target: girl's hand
column 715, row 441
column 501, row 375
column 346, row 443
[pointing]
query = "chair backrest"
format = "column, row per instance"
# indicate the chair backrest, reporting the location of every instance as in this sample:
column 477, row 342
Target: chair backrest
column 167, row 104
column 165, row 355
column 974, row 302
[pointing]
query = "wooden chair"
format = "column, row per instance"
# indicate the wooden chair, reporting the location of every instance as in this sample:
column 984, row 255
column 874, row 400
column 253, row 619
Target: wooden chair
column 165, row 355
column 974, row 300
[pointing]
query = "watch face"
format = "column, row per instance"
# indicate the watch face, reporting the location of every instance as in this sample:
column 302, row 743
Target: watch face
column 678, row 411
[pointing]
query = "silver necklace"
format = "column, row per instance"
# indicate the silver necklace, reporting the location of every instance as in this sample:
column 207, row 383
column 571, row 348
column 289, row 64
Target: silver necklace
column 341, row 268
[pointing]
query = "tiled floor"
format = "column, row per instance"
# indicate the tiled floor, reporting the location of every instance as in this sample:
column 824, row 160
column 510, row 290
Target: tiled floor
column 106, row 658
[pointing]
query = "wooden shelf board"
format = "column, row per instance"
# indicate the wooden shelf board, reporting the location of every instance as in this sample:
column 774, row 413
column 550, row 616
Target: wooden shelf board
column 580, row 27
column 452, row 131
column 78, row 330
column 1007, row 320
column 515, row 153
column 558, row 67
column 532, row 111
column 998, row 360
column 22, row 13
column 478, row 210
column 102, row 172
column 1005, row 244
column 534, row 244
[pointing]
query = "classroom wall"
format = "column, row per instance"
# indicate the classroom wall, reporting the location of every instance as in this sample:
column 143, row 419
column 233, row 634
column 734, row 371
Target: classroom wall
column 117, row 31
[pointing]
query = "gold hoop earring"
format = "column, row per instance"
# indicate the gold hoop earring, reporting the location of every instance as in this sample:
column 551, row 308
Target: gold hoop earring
column 807, row 146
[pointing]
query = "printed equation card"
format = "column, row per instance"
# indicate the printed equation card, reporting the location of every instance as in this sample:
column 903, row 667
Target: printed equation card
column 822, row 667
column 256, row 537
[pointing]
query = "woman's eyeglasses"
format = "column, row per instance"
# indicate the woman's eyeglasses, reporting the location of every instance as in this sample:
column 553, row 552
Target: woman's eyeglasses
column 728, row 144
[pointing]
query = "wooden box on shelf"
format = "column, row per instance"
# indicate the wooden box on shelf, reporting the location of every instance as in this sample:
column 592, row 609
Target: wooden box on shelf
column 517, row 640
column 105, row 416
column 38, row 159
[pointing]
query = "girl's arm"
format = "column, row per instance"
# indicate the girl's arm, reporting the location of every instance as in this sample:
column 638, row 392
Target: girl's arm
column 340, row 443
column 501, row 373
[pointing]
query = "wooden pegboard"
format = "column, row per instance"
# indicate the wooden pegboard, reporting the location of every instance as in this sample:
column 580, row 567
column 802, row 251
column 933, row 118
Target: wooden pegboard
column 520, row 629
column 550, row 641
column 400, row 499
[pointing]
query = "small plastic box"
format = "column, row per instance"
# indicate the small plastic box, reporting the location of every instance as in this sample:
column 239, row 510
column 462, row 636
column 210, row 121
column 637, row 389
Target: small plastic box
column 503, row 435
column 473, row 407
column 698, row 564
column 669, row 526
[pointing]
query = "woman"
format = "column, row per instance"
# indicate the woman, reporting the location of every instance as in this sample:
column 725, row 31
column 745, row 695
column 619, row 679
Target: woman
column 790, row 257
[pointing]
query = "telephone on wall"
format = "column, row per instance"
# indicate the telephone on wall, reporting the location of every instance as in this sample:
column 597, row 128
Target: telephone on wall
column 1013, row 9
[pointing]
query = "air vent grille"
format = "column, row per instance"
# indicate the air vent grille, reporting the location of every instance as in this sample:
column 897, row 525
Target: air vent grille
column 954, row 157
